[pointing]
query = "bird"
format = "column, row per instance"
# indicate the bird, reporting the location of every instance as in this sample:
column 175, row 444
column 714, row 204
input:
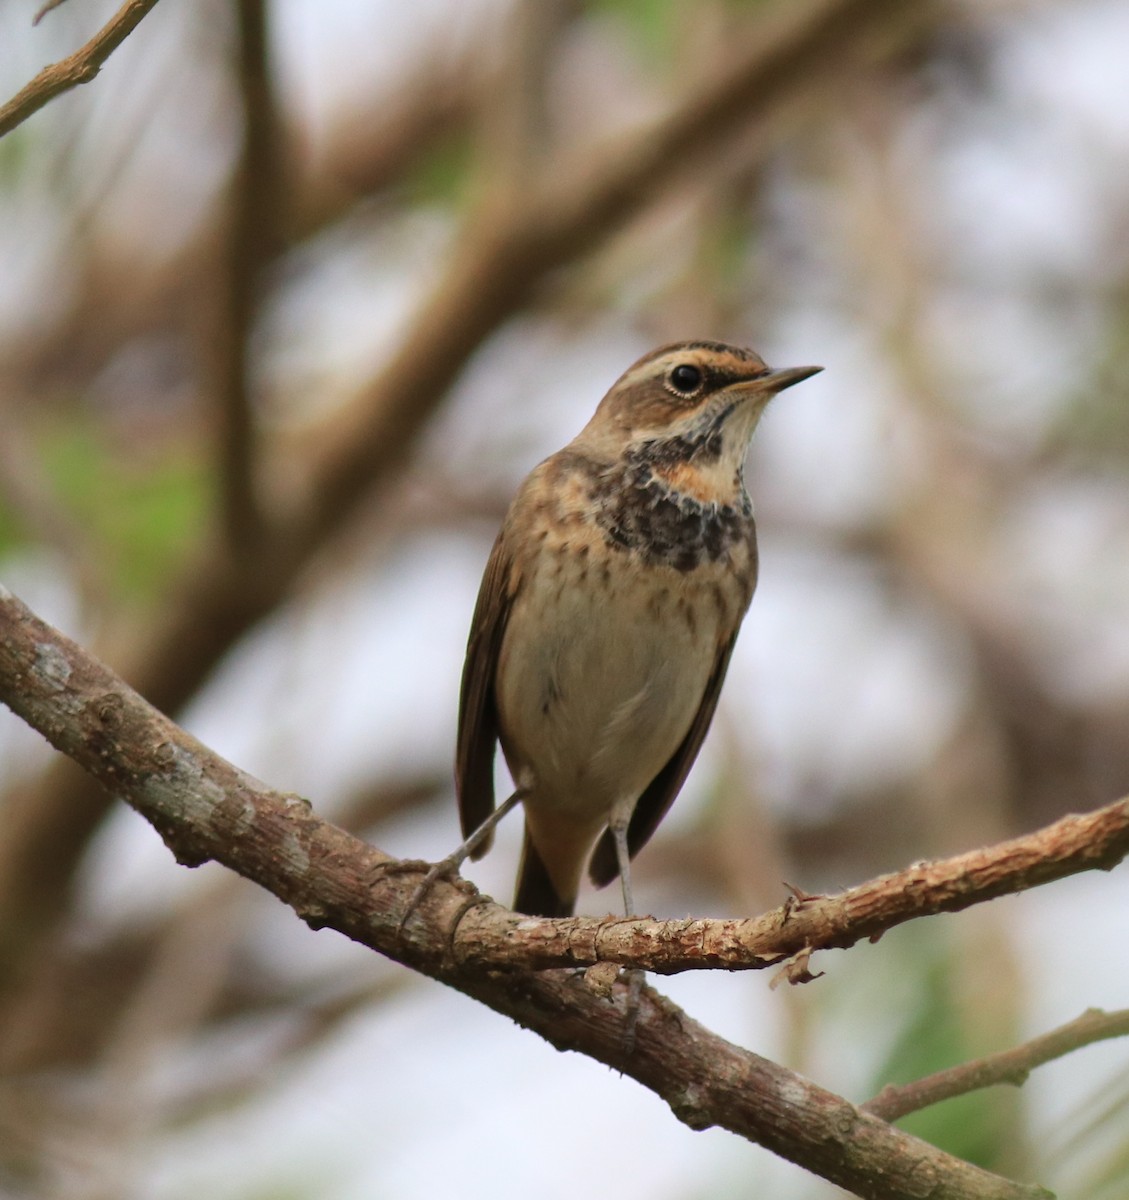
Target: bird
column 606, row 619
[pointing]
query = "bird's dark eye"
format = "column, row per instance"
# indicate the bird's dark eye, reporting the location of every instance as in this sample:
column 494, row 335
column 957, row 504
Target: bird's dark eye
column 686, row 378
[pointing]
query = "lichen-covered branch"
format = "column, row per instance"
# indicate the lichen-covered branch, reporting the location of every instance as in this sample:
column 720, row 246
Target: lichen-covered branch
column 205, row 808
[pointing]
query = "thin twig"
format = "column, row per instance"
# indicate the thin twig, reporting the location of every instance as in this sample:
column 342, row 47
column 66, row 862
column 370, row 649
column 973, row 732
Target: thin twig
column 205, row 808
column 44, row 10
column 80, row 67
column 1008, row 1066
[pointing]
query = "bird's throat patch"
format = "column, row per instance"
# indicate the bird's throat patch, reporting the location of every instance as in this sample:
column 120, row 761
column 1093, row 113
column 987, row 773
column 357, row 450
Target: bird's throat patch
column 659, row 512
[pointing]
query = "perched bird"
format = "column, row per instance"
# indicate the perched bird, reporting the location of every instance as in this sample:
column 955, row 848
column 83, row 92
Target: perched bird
column 606, row 619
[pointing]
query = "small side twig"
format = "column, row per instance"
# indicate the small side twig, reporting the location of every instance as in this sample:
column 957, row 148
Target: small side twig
column 1008, row 1066
column 44, row 10
column 79, row 67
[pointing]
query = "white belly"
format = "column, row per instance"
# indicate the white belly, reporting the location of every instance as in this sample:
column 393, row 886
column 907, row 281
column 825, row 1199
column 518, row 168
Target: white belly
column 598, row 686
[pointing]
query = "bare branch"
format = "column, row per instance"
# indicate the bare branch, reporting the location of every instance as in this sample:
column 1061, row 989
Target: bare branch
column 80, row 67
column 1008, row 1066
column 1096, row 840
column 205, row 808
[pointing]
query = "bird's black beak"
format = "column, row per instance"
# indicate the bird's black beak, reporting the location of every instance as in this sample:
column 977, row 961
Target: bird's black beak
column 777, row 381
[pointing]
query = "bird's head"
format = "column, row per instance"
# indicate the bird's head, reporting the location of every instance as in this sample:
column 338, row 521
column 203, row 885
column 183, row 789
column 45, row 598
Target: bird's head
column 692, row 406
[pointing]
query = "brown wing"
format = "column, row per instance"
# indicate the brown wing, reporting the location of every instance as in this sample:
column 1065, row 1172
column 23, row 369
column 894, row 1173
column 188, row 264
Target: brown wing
column 478, row 709
column 655, row 802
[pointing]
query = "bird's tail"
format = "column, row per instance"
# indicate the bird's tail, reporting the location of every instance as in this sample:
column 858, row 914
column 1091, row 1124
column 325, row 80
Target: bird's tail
column 536, row 896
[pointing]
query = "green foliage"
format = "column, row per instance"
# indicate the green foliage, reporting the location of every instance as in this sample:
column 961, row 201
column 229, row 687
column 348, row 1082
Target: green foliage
column 442, row 174
column 650, row 21
column 1087, row 1154
column 16, row 148
column 137, row 510
column 10, row 533
column 658, row 26
column 727, row 248
column 937, row 1033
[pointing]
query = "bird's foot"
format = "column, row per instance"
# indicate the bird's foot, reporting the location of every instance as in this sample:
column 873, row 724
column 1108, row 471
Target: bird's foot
column 445, row 868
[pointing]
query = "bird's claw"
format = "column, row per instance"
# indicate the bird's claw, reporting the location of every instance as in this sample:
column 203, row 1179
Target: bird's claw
column 445, row 868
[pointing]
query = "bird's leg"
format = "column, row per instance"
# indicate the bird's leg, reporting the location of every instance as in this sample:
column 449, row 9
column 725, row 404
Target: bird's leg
column 446, row 867
column 633, row 975
column 623, row 858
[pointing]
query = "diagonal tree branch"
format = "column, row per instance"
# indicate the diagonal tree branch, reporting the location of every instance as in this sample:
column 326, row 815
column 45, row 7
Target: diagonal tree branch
column 484, row 936
column 79, row 67
column 205, row 808
column 1008, row 1066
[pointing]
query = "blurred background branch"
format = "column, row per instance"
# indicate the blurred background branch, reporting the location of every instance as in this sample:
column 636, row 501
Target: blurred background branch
column 254, row 222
